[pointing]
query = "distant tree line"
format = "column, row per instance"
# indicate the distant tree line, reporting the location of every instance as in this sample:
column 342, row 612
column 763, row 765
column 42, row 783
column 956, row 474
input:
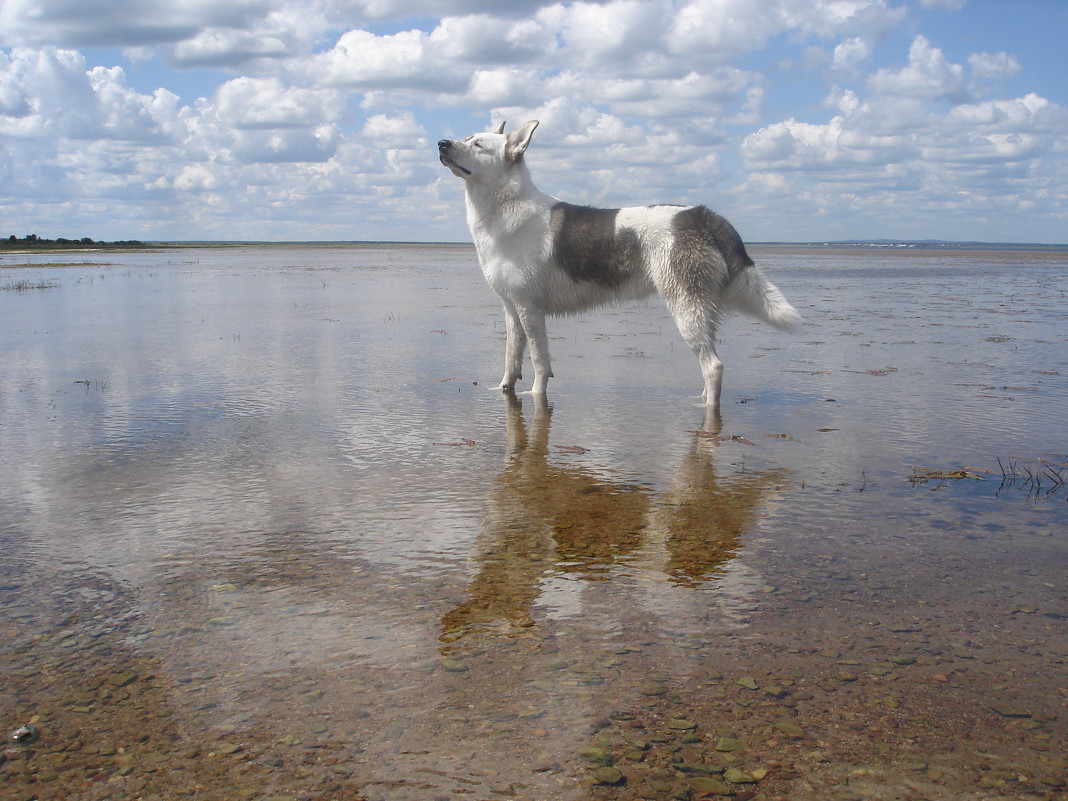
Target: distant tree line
column 34, row 242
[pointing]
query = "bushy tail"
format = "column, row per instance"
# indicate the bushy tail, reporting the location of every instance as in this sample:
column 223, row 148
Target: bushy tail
column 753, row 294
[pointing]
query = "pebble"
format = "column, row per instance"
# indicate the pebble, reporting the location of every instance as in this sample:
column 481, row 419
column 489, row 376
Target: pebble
column 790, row 729
column 122, row 679
column 596, row 755
column 1008, row 711
column 698, row 768
column 730, row 744
column 904, row 628
column 1054, row 780
column 736, row 776
column 606, row 775
column 681, row 724
column 24, row 734
column 709, row 786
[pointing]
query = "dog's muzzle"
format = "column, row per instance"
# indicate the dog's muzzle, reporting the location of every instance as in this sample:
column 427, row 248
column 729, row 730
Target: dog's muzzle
column 444, row 146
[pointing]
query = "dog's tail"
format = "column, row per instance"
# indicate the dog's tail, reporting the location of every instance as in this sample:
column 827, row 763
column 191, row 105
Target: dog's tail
column 750, row 292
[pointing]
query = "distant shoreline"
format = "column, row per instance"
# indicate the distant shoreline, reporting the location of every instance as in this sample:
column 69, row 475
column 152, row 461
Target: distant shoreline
column 895, row 245
column 879, row 244
column 73, row 246
column 35, row 244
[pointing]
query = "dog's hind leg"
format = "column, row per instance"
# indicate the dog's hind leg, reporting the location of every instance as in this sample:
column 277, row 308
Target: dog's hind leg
column 514, row 348
column 697, row 324
column 712, row 369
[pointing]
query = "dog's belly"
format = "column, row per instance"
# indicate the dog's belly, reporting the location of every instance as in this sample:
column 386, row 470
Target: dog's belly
column 546, row 287
column 568, row 296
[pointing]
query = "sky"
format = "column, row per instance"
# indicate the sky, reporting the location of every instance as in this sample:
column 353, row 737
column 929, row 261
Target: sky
column 799, row 120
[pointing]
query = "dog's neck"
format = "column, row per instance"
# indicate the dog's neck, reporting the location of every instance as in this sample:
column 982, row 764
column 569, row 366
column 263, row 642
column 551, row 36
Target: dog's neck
column 509, row 203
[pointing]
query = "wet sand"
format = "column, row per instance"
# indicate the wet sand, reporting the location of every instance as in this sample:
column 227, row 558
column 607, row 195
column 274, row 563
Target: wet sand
column 268, row 533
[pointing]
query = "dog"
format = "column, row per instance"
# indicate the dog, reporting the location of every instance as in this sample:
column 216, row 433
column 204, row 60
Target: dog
column 544, row 256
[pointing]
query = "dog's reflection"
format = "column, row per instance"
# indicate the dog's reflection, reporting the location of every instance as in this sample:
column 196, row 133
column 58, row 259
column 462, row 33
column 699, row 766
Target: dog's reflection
column 548, row 517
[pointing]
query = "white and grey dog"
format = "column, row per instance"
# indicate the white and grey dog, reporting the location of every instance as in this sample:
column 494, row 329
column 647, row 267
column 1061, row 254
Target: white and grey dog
column 547, row 257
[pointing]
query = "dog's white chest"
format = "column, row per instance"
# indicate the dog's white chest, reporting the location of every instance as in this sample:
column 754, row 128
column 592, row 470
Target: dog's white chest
column 512, row 242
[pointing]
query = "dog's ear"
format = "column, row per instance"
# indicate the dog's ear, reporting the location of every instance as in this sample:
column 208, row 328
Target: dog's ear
column 518, row 141
column 500, row 128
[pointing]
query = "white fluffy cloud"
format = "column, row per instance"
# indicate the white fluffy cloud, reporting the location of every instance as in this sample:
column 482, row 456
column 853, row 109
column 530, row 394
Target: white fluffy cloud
column 921, row 140
column 119, row 23
column 268, row 103
column 913, row 113
column 327, row 111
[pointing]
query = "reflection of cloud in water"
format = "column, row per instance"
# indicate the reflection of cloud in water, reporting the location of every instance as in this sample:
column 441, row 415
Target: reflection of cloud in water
column 550, row 523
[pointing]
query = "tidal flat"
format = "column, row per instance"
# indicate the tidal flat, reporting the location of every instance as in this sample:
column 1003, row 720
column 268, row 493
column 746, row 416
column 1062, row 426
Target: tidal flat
column 268, row 531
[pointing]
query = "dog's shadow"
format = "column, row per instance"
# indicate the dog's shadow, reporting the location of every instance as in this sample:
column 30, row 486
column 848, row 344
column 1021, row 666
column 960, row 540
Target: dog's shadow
column 548, row 517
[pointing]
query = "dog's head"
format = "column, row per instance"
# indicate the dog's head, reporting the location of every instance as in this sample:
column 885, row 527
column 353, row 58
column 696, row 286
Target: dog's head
column 489, row 157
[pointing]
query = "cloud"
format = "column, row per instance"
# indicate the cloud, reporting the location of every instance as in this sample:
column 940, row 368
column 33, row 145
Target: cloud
column 928, row 75
column 724, row 29
column 127, row 115
column 50, row 92
column 994, row 131
column 992, row 68
column 392, row 132
column 948, row 5
column 117, row 23
column 851, row 53
column 916, row 112
column 485, row 40
column 617, row 32
column 251, row 103
column 917, row 141
column 361, row 59
column 286, row 146
column 227, row 47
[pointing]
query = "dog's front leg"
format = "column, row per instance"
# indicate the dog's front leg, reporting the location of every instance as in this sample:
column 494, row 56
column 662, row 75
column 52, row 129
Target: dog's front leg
column 514, row 348
column 534, row 326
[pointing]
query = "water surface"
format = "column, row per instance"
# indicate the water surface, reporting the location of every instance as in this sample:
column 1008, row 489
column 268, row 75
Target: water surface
column 268, row 531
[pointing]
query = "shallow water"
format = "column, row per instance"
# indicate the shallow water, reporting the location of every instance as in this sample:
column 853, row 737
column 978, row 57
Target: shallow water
column 269, row 532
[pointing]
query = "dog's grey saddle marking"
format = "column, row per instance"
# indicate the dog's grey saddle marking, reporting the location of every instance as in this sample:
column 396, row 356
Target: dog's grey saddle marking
column 587, row 246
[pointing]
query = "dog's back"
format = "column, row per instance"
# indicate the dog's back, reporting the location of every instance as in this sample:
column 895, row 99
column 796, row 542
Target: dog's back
column 622, row 254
